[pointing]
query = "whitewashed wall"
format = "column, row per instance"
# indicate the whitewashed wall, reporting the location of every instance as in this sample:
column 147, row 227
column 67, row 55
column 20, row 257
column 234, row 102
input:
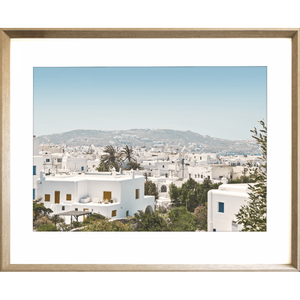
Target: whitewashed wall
column 233, row 196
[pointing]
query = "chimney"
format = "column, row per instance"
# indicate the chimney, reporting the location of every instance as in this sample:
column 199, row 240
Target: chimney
column 132, row 173
column 42, row 175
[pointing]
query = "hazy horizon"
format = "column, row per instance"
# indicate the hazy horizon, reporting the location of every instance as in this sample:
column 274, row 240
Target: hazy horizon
column 222, row 102
column 141, row 129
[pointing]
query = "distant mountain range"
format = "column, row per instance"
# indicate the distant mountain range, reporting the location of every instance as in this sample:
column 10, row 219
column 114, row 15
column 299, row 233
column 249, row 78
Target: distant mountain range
column 151, row 137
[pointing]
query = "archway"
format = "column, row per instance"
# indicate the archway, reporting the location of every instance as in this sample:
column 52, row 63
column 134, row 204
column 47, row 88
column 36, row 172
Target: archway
column 149, row 209
column 163, row 189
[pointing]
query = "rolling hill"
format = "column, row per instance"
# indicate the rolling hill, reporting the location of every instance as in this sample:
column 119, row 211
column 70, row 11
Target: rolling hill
column 151, row 137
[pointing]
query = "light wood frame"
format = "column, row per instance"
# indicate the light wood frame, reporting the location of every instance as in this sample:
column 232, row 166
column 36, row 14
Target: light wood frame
column 7, row 34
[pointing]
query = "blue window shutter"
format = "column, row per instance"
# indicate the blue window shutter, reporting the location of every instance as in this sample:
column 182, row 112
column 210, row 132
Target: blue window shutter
column 33, row 194
column 82, row 168
column 34, row 170
column 221, row 207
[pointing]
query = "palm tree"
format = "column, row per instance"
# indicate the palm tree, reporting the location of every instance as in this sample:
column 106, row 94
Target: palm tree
column 127, row 153
column 112, row 158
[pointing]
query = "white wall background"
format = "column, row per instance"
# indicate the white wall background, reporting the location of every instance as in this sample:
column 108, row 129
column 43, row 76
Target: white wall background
column 203, row 248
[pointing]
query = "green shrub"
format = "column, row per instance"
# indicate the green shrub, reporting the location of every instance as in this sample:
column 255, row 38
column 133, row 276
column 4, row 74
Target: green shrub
column 92, row 218
column 105, row 225
column 47, row 227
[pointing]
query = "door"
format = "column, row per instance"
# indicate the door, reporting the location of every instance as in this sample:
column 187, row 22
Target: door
column 57, row 197
column 85, row 209
column 107, row 196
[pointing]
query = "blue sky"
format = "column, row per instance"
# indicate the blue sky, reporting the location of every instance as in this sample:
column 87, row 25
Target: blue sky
column 223, row 102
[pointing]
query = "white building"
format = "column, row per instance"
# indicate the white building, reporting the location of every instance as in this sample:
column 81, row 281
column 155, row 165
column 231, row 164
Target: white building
column 110, row 194
column 157, row 168
column 37, row 165
column 223, row 204
column 51, row 148
column 163, row 186
column 92, row 165
column 74, row 164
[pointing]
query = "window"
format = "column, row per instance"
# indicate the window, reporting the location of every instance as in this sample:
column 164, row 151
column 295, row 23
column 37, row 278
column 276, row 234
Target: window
column 76, row 209
column 68, row 197
column 113, row 213
column 107, row 196
column 33, row 194
column 163, row 189
column 221, row 207
column 201, row 175
column 47, row 159
column 34, row 170
column 195, row 175
column 59, row 160
column 47, row 197
column 137, row 194
column 208, row 177
column 62, row 208
column 214, row 230
column 82, row 168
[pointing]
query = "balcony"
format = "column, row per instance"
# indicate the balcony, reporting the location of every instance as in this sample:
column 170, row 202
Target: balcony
column 98, row 201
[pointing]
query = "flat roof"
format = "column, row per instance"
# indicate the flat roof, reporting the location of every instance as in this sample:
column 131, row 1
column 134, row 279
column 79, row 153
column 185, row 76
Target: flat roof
column 74, row 213
column 84, row 177
column 234, row 187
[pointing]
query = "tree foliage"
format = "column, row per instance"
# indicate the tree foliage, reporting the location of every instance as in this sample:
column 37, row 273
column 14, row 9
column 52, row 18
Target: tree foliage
column 201, row 217
column 191, row 194
column 39, row 210
column 41, row 221
column 103, row 167
column 111, row 159
column 47, row 227
column 177, row 219
column 150, row 221
column 242, row 179
column 151, row 189
column 105, row 225
column 93, row 218
column 182, row 220
column 127, row 154
column 253, row 215
column 133, row 165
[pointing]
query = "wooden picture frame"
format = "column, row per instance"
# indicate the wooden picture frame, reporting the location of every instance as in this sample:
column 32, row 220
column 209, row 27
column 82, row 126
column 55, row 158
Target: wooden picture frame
column 7, row 34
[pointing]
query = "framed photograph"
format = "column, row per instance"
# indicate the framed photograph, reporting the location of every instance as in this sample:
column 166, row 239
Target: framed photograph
column 128, row 122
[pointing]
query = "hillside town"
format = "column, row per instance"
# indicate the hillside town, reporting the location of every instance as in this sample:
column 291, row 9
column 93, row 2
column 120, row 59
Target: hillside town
column 78, row 184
